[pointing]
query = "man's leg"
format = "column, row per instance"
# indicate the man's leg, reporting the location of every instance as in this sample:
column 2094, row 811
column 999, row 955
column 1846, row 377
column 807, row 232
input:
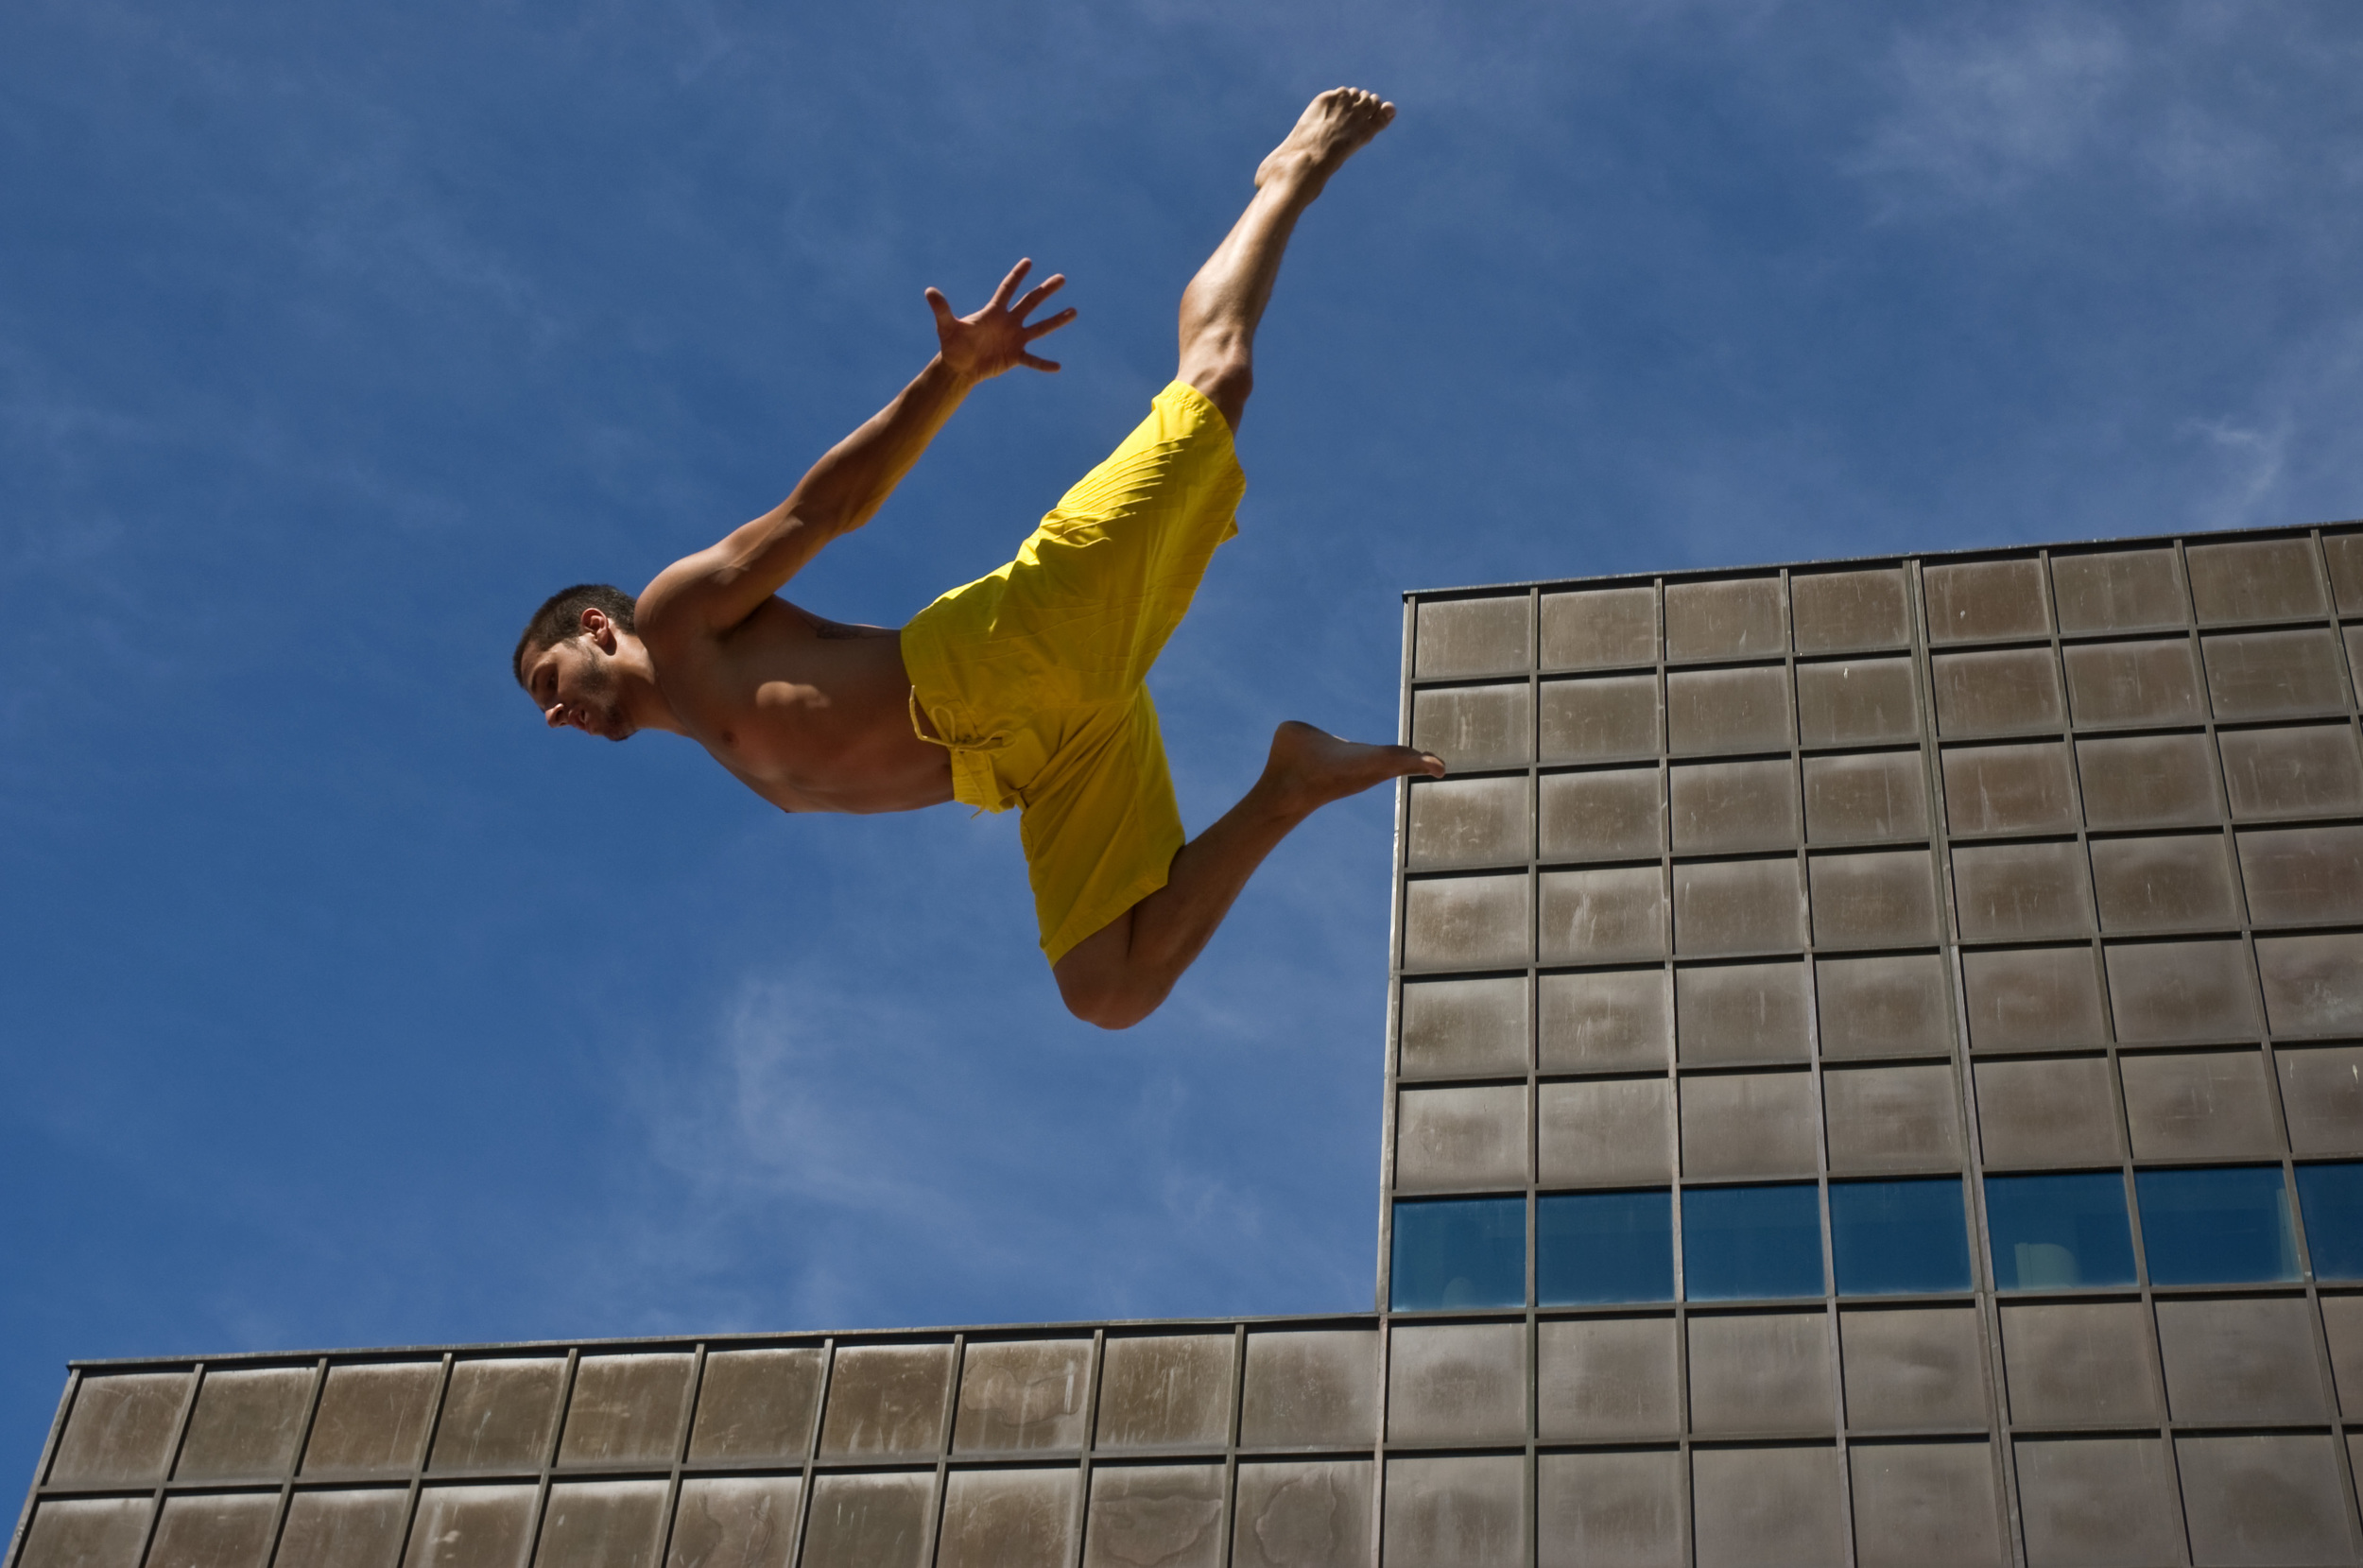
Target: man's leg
column 1226, row 300
column 1120, row 974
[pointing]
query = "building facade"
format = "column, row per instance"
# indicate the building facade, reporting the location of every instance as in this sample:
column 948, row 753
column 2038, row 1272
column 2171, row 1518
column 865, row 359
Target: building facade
column 1875, row 1078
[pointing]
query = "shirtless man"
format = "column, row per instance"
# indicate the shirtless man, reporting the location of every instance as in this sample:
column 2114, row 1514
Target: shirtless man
column 1023, row 688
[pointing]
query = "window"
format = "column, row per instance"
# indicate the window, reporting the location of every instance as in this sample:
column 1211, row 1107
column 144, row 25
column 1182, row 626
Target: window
column 1894, row 1237
column 2332, row 1198
column 1459, row 1253
column 2224, row 1226
column 1604, row 1247
column 2058, row 1232
column 1741, row 1243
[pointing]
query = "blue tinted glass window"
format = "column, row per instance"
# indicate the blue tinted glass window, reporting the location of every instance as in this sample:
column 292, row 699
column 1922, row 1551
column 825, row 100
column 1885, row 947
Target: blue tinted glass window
column 2057, row 1232
column 1459, row 1252
column 1744, row 1242
column 1604, row 1247
column 1891, row 1237
column 2332, row 1198
column 2216, row 1226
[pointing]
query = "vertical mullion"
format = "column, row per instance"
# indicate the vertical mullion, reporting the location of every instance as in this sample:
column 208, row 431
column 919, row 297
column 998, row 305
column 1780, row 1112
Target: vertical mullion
column 2001, row 1442
column 172, row 1458
column 295, row 1459
column 680, row 1450
column 1091, row 1440
column 426, row 1456
column 1231, row 1442
column 802, row 1524
column 40, row 1470
column 549, row 1455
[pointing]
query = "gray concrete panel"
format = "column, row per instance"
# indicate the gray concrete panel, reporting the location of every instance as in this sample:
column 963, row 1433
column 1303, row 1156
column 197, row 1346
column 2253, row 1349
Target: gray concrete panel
column 2181, row 882
column 1767, row 1508
column 2020, row 787
column 2240, row 1359
column 1009, row 1519
column 87, row 1532
column 499, row 1413
column 2166, row 991
column 1874, row 897
column 1166, row 1390
column 1459, row 822
column 1310, row 1386
column 2321, row 1092
column 1726, row 711
column 1731, row 618
column 734, row 1522
column 1155, row 1516
column 1313, row 1514
column 1603, row 814
column 1022, row 1394
column 1607, row 1379
column 2274, row 674
column 2261, row 1500
column 1727, row 807
column 756, row 1406
column 2118, row 591
column 1985, row 601
column 1892, row 1119
column 1611, row 1509
column 601, row 1524
column 2079, row 1363
column 471, row 1527
column 1760, row 1372
column 1450, row 1385
column 2097, row 1503
column 2133, row 683
column 1605, row 1020
column 869, row 1520
column 2309, row 770
column 1908, row 1368
column 2255, row 580
column 1458, row 638
column 2008, row 692
column 1727, row 906
column 120, row 1431
column 355, row 1529
column 1467, row 922
column 1857, row 702
column 1475, row 727
column 1599, row 629
column 2200, row 1105
column 1926, row 1505
column 627, row 1409
column 2047, row 1111
column 2147, row 781
column 215, row 1530
column 1741, row 1013
column 1463, row 1028
column 886, row 1401
column 1455, row 1512
column 1892, row 1005
column 1605, row 1132
column 1843, row 611
column 1748, row 1125
column 1456, row 1140
column 2313, row 985
column 246, row 1425
column 1600, row 718
column 2032, row 997
column 373, row 1419
column 1866, row 798
column 1604, row 915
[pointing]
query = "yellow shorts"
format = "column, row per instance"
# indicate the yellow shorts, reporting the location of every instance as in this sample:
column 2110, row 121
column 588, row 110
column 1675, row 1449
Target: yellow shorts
column 1032, row 678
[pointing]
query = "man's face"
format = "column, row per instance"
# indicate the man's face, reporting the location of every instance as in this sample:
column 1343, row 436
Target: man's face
column 573, row 686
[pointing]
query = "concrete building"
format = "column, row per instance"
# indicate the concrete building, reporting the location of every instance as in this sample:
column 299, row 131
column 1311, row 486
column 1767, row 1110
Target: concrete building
column 1875, row 1078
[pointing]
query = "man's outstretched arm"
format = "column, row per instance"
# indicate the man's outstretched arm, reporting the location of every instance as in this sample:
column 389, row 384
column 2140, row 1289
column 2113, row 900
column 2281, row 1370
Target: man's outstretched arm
column 718, row 588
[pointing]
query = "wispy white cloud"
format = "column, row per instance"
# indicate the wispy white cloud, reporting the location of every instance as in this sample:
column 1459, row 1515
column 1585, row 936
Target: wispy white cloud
column 1978, row 116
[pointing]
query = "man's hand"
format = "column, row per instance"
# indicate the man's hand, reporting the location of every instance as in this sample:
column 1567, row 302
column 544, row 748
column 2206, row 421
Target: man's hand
column 980, row 347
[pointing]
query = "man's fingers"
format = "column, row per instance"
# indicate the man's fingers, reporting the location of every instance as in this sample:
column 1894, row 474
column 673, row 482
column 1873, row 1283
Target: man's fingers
column 942, row 306
column 1049, row 323
column 1008, row 284
column 1037, row 294
column 1036, row 361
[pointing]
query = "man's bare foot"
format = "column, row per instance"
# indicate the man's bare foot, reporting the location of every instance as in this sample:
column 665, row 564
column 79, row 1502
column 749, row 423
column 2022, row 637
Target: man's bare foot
column 1311, row 767
column 1333, row 129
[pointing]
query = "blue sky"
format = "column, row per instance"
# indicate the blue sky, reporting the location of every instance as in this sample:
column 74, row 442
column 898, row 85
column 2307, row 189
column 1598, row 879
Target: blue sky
column 342, row 1005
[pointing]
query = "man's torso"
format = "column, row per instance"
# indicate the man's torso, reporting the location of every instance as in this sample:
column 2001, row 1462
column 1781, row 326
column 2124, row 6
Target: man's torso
column 810, row 714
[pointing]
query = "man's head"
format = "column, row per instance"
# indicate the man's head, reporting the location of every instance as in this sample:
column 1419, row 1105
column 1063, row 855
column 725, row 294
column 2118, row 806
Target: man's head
column 566, row 659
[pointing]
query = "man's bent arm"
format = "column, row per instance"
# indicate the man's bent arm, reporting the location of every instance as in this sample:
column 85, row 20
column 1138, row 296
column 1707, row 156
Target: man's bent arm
column 716, row 589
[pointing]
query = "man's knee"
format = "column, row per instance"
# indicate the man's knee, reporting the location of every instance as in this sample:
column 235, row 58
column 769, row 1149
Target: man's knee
column 1226, row 383
column 1111, row 996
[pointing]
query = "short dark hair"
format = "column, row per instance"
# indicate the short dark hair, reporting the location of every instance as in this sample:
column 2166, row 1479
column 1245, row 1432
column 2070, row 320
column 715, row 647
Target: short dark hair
column 560, row 617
